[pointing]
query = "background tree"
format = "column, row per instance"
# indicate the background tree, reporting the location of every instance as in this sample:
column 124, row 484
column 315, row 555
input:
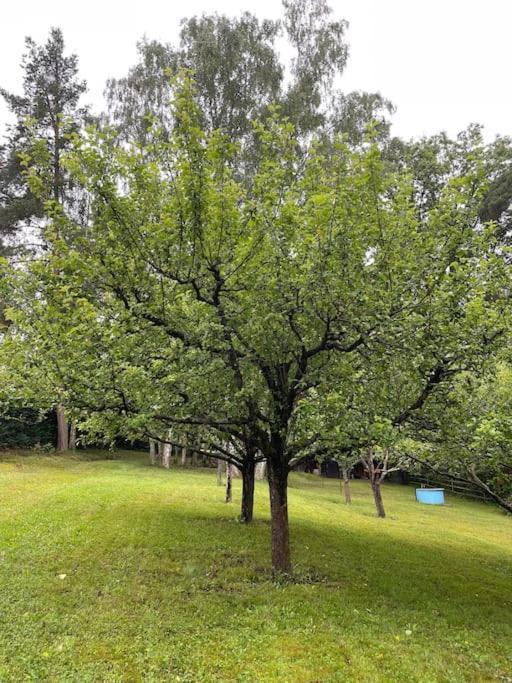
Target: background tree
column 46, row 114
column 353, row 113
column 380, row 461
column 468, row 437
column 321, row 54
column 239, row 73
column 235, row 66
column 433, row 161
column 497, row 203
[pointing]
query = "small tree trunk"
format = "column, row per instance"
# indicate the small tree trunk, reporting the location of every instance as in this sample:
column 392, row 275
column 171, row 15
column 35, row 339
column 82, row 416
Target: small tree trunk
column 152, row 452
column 229, row 483
column 166, row 453
column 506, row 505
column 166, row 456
column 261, row 470
column 184, row 456
column 158, row 453
column 72, row 436
column 377, row 495
column 346, row 488
column 248, row 491
column 219, row 472
column 278, row 489
column 62, row 430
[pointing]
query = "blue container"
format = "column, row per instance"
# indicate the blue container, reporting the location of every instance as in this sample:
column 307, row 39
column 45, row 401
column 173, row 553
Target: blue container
column 430, row 496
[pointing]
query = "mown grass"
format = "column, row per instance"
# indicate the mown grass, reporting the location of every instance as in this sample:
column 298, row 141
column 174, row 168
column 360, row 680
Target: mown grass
column 164, row 584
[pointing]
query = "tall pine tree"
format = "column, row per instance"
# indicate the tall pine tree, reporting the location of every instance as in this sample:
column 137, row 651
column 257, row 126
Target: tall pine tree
column 46, row 114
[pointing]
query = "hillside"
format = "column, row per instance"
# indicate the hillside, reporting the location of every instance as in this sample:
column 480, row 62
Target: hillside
column 113, row 571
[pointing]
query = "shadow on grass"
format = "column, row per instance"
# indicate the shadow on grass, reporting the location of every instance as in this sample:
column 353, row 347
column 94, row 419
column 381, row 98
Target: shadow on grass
column 95, row 530
column 365, row 567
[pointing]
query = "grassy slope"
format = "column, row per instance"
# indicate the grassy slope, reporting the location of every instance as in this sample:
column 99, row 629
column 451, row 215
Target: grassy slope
column 162, row 583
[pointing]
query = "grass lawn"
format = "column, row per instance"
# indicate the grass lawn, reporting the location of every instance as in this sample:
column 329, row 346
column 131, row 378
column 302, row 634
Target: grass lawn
column 163, row 584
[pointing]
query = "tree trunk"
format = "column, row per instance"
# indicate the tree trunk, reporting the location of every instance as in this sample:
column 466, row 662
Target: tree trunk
column 158, row 453
column 62, row 430
column 152, row 452
column 278, row 489
column 72, row 436
column 229, row 481
column 346, row 488
column 248, row 491
column 377, row 495
column 219, row 472
column 166, row 453
column 261, row 470
column 506, row 505
column 184, row 456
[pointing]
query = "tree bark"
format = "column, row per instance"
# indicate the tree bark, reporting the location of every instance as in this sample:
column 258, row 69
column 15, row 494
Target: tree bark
column 152, row 452
column 72, row 436
column 62, row 430
column 229, row 482
column 377, row 495
column 248, row 472
column 166, row 453
column 158, row 453
column 184, row 456
column 506, row 505
column 346, row 488
column 278, row 490
column 261, row 470
column 219, row 472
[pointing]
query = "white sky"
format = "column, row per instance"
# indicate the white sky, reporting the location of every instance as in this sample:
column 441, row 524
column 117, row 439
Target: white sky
column 444, row 63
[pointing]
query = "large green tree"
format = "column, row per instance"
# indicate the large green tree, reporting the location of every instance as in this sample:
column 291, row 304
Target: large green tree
column 226, row 304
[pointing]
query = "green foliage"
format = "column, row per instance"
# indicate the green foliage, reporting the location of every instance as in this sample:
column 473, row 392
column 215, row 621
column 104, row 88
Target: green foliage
column 235, row 66
column 497, row 204
column 26, row 428
column 352, row 114
column 321, row 54
column 435, row 160
column 249, row 309
column 46, row 114
column 470, row 435
column 240, row 75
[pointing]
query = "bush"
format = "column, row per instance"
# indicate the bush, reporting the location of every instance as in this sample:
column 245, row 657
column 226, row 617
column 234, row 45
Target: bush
column 26, row 428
